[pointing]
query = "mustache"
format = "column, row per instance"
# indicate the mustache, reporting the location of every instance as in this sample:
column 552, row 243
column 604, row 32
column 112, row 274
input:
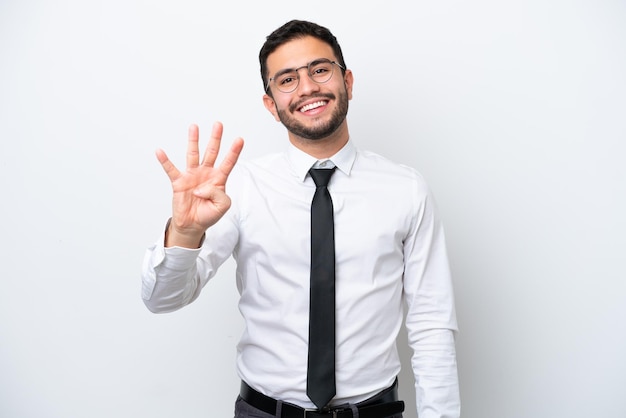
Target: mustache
column 299, row 103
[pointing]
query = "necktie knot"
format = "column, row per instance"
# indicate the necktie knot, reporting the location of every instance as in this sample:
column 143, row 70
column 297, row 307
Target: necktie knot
column 321, row 176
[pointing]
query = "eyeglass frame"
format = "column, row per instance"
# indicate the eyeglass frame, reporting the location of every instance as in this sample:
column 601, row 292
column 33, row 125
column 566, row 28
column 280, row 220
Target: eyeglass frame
column 308, row 73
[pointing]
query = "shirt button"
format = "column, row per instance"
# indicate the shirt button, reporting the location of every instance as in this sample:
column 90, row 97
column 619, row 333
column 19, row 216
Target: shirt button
column 323, row 164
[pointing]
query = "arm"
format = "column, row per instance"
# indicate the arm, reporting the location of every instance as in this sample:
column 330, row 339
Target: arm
column 431, row 318
column 175, row 269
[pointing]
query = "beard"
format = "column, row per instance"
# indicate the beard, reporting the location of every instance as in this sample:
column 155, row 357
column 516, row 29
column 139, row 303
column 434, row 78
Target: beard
column 319, row 129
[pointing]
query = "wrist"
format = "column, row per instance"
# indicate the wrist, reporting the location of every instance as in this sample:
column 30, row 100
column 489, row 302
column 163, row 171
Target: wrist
column 187, row 239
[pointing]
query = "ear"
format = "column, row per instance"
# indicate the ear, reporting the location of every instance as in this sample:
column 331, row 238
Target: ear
column 348, row 79
column 270, row 105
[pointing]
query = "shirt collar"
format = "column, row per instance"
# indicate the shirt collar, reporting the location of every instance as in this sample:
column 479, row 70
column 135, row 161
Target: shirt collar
column 301, row 162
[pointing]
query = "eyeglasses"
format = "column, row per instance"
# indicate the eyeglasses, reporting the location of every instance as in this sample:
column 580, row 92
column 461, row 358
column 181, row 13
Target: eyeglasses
column 320, row 71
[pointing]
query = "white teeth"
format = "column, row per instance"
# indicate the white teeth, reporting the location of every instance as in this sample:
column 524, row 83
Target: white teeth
column 312, row 106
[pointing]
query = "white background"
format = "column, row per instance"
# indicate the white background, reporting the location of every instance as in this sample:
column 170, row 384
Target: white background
column 514, row 112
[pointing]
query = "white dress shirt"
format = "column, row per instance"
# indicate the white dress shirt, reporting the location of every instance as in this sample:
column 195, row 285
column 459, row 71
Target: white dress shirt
column 390, row 251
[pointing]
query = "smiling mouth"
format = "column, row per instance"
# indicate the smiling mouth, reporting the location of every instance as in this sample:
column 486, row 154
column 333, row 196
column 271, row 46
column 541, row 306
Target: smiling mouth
column 313, row 105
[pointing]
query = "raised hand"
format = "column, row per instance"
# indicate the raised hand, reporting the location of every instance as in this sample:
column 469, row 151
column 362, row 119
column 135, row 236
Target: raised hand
column 199, row 193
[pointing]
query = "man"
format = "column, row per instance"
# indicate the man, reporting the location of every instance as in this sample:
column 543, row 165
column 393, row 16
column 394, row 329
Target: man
column 388, row 250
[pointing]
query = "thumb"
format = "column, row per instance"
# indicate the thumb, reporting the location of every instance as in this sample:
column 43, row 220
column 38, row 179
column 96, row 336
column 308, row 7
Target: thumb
column 207, row 191
column 214, row 194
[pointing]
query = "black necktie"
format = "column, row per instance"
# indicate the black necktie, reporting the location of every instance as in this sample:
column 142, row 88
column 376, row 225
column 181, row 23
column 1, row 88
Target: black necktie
column 321, row 363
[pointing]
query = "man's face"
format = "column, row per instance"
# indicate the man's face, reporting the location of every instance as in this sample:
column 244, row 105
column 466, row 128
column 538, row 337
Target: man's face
column 312, row 111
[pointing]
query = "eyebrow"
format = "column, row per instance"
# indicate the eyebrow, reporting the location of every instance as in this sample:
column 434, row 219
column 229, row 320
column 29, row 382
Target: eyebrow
column 285, row 71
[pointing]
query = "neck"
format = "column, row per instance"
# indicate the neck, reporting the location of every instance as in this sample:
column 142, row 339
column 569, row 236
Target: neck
column 323, row 147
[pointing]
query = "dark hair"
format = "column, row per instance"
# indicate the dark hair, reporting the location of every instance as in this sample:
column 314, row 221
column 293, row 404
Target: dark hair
column 297, row 29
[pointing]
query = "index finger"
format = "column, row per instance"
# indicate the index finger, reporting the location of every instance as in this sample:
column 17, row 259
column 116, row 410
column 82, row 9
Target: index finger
column 230, row 159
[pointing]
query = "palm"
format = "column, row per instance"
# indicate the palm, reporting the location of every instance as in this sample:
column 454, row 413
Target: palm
column 190, row 209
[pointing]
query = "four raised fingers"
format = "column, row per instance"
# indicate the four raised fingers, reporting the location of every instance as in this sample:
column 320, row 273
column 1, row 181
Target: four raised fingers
column 211, row 153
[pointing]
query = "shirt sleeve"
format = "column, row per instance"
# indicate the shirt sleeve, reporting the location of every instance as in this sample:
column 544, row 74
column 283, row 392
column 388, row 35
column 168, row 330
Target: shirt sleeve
column 431, row 317
column 174, row 277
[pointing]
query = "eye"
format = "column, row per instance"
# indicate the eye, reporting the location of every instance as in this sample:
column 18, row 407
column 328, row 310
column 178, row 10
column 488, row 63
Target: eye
column 321, row 71
column 287, row 79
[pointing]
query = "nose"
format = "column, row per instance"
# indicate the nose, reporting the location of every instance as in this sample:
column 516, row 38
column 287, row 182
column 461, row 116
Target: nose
column 306, row 85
